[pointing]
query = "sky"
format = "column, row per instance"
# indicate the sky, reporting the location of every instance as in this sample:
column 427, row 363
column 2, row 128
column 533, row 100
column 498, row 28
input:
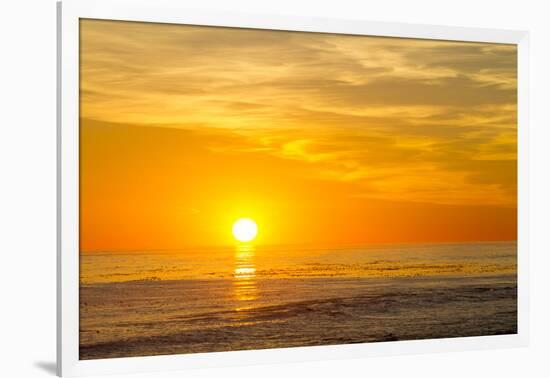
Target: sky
column 320, row 138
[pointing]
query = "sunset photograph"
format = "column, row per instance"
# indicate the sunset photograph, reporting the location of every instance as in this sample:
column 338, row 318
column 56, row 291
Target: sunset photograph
column 248, row 189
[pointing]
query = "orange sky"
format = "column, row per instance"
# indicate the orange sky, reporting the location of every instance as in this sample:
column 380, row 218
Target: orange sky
column 320, row 138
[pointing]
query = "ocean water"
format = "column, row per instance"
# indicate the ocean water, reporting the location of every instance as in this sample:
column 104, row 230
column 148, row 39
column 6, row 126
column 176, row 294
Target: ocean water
column 246, row 297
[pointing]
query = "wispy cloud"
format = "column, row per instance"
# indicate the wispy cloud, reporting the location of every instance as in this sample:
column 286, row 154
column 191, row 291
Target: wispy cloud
column 401, row 119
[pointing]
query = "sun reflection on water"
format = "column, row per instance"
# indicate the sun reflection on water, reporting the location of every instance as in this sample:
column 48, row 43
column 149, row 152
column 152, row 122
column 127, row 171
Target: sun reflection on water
column 244, row 274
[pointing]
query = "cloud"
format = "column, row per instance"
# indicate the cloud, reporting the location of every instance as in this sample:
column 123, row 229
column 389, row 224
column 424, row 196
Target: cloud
column 400, row 119
column 138, row 64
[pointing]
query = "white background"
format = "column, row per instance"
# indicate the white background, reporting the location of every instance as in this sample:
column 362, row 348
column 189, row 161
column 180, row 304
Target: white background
column 27, row 187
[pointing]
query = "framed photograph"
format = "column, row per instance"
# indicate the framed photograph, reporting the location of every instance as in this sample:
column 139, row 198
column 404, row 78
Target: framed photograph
column 251, row 188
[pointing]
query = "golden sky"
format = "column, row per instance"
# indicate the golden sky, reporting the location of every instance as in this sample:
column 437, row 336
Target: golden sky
column 321, row 138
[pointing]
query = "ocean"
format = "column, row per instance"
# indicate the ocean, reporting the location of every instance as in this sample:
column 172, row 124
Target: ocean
column 141, row 303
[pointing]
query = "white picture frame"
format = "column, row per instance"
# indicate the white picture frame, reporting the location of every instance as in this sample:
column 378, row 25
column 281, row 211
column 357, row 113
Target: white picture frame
column 170, row 11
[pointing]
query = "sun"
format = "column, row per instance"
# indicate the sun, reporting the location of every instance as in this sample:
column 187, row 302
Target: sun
column 245, row 229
